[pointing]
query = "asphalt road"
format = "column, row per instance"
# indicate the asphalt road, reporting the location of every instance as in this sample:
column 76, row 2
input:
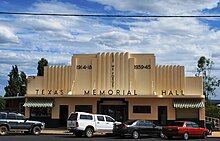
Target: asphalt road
column 21, row 137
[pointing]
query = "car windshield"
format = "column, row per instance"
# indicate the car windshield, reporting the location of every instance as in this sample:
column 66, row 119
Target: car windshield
column 177, row 124
column 73, row 116
column 129, row 122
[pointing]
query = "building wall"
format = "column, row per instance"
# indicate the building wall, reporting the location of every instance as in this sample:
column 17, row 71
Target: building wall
column 194, row 85
column 169, row 80
column 57, row 80
column 113, row 71
column 154, row 103
column 71, row 102
column 134, row 77
column 115, row 74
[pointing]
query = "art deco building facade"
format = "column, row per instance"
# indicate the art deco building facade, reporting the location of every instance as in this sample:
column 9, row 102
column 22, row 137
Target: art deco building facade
column 122, row 85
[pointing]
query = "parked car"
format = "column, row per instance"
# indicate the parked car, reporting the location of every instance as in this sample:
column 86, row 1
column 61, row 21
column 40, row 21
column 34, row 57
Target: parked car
column 81, row 123
column 184, row 129
column 10, row 122
column 137, row 128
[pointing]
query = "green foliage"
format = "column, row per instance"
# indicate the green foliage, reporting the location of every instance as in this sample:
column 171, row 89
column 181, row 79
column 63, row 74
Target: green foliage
column 211, row 110
column 204, row 69
column 16, row 84
column 23, row 87
column 41, row 63
column 2, row 104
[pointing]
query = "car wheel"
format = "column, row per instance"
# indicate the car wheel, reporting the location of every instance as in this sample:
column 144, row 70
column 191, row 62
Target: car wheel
column 204, row 135
column 89, row 132
column 36, row 130
column 135, row 134
column 3, row 130
column 186, row 136
column 78, row 134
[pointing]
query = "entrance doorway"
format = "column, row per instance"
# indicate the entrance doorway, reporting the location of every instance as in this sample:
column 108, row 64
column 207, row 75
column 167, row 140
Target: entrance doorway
column 162, row 115
column 118, row 112
column 63, row 115
column 117, row 108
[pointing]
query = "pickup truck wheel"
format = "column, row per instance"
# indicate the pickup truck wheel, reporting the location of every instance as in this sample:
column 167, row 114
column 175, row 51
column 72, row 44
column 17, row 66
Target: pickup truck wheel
column 89, row 132
column 135, row 134
column 36, row 130
column 186, row 136
column 3, row 130
column 204, row 135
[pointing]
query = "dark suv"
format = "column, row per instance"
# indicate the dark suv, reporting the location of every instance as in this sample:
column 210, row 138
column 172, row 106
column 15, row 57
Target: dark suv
column 10, row 122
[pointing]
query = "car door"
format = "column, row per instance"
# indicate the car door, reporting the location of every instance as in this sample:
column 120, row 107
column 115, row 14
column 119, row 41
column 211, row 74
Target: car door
column 109, row 123
column 142, row 127
column 100, row 123
column 22, row 124
column 190, row 129
column 12, row 121
column 197, row 129
column 150, row 128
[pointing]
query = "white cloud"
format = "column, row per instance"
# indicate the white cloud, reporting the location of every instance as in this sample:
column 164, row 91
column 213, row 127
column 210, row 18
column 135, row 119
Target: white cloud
column 7, row 36
column 116, row 39
column 164, row 7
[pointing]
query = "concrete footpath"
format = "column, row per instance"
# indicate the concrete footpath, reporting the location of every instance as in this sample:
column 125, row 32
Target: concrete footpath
column 66, row 132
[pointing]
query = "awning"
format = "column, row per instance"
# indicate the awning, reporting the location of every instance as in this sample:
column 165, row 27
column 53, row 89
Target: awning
column 39, row 103
column 188, row 103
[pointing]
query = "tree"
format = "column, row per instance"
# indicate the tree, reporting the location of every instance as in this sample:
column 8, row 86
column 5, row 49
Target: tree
column 210, row 82
column 212, row 110
column 23, row 85
column 16, row 84
column 41, row 63
column 2, row 104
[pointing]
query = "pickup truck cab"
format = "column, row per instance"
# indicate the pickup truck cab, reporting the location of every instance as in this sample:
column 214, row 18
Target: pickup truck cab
column 85, row 123
column 14, row 122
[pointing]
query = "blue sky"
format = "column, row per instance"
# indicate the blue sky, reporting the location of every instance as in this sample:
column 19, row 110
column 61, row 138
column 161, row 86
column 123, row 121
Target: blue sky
column 174, row 41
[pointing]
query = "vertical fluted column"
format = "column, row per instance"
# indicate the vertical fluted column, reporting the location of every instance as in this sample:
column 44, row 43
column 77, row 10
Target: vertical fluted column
column 122, row 71
column 103, row 66
column 126, row 72
column 108, row 70
column 117, row 71
column 99, row 72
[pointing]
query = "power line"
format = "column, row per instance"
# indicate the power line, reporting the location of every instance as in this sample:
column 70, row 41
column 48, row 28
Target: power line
column 108, row 16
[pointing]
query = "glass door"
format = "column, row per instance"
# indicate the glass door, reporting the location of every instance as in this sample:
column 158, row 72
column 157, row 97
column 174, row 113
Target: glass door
column 162, row 115
column 118, row 112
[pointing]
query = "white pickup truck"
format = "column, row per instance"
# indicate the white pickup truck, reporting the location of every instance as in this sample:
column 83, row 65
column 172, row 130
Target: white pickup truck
column 85, row 123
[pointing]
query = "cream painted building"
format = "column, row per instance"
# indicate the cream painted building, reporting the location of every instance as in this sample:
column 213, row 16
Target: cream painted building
column 122, row 85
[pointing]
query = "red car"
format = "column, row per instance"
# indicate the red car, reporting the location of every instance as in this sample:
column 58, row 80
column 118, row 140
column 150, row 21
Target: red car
column 184, row 129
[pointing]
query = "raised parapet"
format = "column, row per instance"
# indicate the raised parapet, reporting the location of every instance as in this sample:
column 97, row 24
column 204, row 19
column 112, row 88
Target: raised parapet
column 194, row 86
column 169, row 80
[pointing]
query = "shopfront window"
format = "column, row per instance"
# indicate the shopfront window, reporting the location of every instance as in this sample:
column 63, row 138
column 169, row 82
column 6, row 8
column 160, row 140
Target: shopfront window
column 40, row 112
column 141, row 109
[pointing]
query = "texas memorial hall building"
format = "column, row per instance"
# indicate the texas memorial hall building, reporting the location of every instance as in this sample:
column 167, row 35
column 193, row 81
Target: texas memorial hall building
column 122, row 85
